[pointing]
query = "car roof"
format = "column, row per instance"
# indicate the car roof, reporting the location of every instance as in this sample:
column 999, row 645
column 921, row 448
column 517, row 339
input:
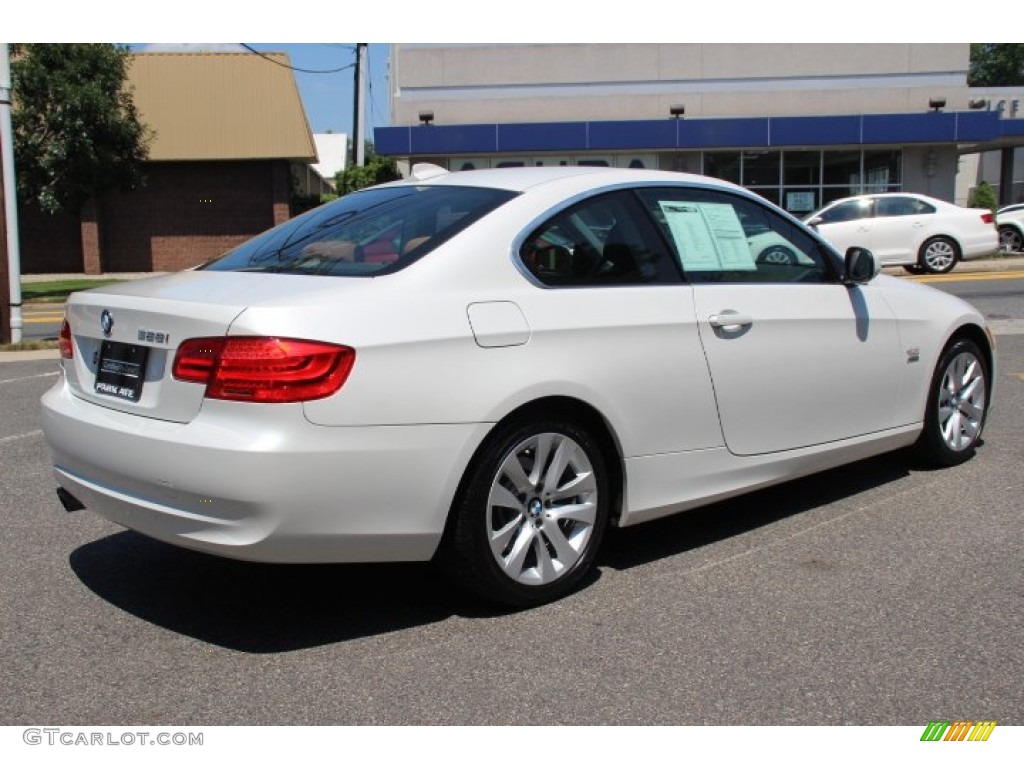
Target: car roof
column 583, row 177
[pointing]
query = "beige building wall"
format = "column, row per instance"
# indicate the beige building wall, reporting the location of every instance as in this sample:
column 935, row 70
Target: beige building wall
column 565, row 82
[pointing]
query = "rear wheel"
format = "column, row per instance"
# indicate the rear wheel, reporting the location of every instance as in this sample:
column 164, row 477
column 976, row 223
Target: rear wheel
column 529, row 522
column 957, row 405
column 1010, row 240
column 938, row 255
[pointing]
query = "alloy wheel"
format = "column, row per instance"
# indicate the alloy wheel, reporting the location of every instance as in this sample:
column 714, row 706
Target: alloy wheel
column 939, row 255
column 961, row 406
column 1010, row 240
column 542, row 508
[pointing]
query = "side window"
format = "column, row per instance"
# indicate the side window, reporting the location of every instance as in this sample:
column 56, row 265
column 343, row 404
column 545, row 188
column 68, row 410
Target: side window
column 723, row 238
column 605, row 240
column 848, row 211
column 901, row 206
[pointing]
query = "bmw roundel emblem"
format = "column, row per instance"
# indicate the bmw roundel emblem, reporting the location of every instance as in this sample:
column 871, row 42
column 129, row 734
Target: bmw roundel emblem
column 107, row 322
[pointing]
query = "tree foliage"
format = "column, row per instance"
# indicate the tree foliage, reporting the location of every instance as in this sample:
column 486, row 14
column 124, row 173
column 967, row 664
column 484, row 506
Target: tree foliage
column 984, row 197
column 76, row 130
column 996, row 64
column 377, row 170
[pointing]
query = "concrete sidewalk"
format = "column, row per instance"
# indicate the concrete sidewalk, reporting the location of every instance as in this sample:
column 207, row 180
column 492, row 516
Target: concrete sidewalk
column 1002, row 264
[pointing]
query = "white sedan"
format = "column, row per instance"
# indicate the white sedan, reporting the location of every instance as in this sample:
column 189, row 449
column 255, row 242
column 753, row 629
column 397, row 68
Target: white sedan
column 489, row 368
column 915, row 231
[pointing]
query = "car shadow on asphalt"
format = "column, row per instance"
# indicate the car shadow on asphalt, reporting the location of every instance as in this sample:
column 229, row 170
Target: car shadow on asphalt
column 267, row 608
column 642, row 544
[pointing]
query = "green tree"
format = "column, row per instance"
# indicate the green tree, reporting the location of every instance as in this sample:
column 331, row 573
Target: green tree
column 377, row 170
column 76, row 130
column 984, row 197
column 996, row 64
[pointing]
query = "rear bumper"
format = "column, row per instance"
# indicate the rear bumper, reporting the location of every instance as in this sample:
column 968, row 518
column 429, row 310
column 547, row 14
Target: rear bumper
column 257, row 482
column 981, row 245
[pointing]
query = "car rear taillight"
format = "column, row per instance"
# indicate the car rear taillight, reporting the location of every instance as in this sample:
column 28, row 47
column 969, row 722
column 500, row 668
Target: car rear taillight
column 264, row 369
column 67, row 349
column 988, row 218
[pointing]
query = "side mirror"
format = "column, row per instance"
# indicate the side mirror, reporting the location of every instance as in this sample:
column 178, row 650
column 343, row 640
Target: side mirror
column 813, row 223
column 861, row 266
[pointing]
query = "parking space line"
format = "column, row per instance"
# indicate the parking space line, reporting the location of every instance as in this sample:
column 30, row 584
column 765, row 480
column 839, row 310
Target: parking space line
column 12, row 438
column 29, row 378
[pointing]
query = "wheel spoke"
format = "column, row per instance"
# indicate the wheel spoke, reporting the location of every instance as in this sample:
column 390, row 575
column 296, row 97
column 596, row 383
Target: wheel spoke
column 972, row 411
column 513, row 564
column 951, row 430
column 546, row 570
column 501, row 538
column 582, row 484
column 503, row 497
column 563, row 454
column 540, row 457
column 971, row 389
column 567, row 554
column 581, row 513
column 513, row 470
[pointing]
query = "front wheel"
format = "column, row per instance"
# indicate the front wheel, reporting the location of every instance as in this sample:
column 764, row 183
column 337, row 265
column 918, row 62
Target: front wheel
column 957, row 405
column 529, row 521
column 938, row 255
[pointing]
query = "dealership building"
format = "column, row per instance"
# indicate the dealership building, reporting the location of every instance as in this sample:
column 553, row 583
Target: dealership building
column 800, row 124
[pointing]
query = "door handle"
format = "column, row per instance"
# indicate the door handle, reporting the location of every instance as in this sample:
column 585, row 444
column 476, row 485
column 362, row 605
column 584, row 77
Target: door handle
column 729, row 318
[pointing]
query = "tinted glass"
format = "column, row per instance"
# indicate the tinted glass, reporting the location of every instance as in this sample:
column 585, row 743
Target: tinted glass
column 606, row 240
column 369, row 232
column 848, row 211
column 901, row 206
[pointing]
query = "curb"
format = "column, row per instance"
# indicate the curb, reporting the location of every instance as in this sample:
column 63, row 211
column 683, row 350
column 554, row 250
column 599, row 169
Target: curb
column 29, row 355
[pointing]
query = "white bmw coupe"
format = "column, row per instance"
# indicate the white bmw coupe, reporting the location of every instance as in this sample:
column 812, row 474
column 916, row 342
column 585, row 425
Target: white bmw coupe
column 489, row 368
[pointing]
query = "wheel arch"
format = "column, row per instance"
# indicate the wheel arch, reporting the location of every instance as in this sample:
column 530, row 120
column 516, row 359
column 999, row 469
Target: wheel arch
column 564, row 407
column 978, row 335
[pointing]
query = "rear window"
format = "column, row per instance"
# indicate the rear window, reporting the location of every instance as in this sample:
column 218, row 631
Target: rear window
column 374, row 231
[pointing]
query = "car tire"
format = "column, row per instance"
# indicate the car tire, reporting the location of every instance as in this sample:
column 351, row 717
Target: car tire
column 1010, row 239
column 957, row 405
column 938, row 255
column 531, row 514
column 777, row 254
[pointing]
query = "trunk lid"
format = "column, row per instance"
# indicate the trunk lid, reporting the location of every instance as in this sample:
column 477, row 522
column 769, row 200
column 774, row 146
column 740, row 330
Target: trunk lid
column 125, row 335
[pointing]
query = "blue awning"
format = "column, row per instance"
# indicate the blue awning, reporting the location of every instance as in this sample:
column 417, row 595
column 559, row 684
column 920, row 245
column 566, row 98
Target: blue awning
column 699, row 133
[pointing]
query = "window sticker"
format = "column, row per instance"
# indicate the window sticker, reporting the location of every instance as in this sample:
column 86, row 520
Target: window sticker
column 708, row 236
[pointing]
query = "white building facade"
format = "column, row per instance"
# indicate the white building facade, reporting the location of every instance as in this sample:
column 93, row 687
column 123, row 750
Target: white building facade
column 801, row 124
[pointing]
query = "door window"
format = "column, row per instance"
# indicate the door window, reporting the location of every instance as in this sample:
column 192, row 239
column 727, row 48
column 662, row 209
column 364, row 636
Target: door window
column 718, row 237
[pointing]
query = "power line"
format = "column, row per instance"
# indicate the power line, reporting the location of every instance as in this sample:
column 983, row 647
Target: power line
column 297, row 69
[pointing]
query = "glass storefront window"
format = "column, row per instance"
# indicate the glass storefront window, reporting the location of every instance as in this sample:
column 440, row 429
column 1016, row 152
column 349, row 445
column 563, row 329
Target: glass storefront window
column 881, row 170
column 801, row 169
column 800, row 200
column 761, row 169
column 842, row 168
column 723, row 165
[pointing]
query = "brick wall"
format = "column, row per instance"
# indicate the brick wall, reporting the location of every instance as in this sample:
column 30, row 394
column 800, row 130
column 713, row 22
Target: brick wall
column 189, row 213
column 49, row 243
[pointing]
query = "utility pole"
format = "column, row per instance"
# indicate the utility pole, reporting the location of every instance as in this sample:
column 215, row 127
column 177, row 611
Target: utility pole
column 9, row 200
column 359, row 108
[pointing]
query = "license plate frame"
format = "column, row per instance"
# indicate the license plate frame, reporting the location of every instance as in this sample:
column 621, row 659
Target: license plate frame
column 121, row 370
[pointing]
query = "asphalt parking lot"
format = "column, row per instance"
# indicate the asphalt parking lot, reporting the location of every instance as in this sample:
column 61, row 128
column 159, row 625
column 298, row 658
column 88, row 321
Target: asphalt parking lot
column 875, row 594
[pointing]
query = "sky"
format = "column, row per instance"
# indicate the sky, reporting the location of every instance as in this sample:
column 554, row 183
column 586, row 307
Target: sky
column 327, row 97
